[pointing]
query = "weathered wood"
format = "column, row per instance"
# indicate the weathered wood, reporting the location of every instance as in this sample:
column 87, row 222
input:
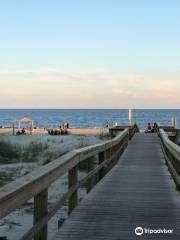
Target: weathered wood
column 172, row 147
column 102, row 165
column 40, row 210
column 139, row 191
column 172, row 169
column 117, row 129
column 133, row 130
column 113, row 159
column 101, row 158
column 16, row 193
column 91, row 180
column 172, row 155
column 39, row 225
column 73, row 180
column 13, row 129
column 167, row 128
column 91, row 151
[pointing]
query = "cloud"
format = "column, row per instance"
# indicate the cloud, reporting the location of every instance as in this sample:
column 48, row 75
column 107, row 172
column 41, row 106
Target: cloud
column 126, row 93
column 96, row 88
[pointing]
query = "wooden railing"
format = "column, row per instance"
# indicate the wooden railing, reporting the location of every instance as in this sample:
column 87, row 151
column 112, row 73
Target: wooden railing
column 35, row 184
column 132, row 130
column 172, row 155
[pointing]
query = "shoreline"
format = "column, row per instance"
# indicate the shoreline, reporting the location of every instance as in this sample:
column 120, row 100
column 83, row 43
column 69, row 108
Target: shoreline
column 71, row 131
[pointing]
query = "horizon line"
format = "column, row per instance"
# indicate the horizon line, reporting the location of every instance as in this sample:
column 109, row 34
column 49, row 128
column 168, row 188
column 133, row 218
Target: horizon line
column 46, row 108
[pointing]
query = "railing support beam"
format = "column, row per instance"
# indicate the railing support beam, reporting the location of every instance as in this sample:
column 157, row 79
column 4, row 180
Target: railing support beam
column 40, row 210
column 73, row 180
column 90, row 166
column 101, row 159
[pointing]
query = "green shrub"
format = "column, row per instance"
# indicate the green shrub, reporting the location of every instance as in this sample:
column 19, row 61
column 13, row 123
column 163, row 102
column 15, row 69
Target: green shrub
column 8, row 151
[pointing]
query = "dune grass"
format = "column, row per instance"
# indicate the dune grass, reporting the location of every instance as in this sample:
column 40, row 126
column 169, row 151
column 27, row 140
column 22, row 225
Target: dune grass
column 8, row 152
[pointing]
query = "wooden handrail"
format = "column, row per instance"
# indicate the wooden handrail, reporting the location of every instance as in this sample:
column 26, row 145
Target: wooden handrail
column 36, row 183
column 172, row 155
column 173, row 148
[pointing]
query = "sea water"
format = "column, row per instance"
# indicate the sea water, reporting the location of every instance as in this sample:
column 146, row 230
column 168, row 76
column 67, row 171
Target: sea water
column 89, row 118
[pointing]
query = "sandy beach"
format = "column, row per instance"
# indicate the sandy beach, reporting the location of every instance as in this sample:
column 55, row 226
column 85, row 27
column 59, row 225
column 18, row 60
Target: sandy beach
column 40, row 131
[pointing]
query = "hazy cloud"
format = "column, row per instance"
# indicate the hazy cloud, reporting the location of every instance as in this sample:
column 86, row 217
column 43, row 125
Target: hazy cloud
column 66, row 89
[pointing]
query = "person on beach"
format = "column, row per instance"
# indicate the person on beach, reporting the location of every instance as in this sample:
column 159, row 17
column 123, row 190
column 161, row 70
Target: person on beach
column 18, row 133
column 65, row 127
column 23, row 131
column 149, row 128
column 52, row 132
column 155, row 127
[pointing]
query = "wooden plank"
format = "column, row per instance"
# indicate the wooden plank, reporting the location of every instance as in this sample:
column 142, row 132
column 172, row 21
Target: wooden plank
column 138, row 191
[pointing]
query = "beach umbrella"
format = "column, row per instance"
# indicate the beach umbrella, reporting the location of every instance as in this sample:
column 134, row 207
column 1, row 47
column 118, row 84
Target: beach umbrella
column 26, row 120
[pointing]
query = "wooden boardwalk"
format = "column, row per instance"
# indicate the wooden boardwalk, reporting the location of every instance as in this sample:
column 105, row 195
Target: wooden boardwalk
column 137, row 192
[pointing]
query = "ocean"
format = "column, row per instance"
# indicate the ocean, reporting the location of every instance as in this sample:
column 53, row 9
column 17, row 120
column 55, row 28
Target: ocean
column 89, row 118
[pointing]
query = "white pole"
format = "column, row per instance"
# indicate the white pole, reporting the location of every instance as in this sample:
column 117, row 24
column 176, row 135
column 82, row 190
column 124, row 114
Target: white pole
column 130, row 116
column 174, row 122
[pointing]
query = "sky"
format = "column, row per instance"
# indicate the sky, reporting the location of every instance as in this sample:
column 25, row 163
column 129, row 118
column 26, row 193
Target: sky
column 90, row 54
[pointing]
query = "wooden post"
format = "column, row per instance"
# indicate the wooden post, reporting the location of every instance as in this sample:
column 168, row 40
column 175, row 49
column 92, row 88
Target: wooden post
column 111, row 133
column 117, row 147
column 101, row 160
column 91, row 181
column 41, row 210
column 13, row 129
column 73, row 180
column 107, row 156
column 130, row 133
column 117, row 151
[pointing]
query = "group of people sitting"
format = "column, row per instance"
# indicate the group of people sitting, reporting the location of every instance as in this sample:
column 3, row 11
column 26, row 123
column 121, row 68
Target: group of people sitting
column 152, row 128
column 22, row 132
column 59, row 131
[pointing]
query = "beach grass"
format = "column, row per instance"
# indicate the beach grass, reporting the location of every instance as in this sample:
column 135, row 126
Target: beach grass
column 8, row 152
